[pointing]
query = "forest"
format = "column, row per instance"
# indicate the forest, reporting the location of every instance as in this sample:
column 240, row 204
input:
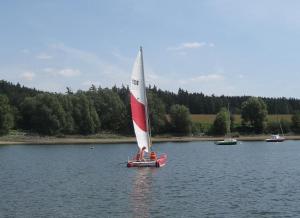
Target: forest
column 108, row 110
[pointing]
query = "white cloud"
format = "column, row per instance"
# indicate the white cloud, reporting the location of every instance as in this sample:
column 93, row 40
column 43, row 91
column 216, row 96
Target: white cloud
column 43, row 56
column 210, row 77
column 204, row 78
column 182, row 53
column 48, row 70
column 68, row 72
column 28, row 76
column 206, row 82
column 211, row 44
column 117, row 54
column 191, row 45
column 86, row 57
column 110, row 73
column 65, row 72
column 25, row 51
column 89, row 83
column 152, row 76
column 72, row 52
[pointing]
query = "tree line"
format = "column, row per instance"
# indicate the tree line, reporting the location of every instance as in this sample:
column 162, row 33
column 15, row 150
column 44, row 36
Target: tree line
column 82, row 112
column 198, row 103
column 108, row 109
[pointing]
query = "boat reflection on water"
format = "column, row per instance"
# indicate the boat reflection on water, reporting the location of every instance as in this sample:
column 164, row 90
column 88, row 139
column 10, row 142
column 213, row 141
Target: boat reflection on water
column 141, row 196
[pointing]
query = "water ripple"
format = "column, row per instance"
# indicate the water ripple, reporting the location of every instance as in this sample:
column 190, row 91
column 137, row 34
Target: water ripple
column 253, row 179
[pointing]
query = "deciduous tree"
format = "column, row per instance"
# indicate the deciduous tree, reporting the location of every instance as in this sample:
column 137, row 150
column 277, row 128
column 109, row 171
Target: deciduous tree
column 180, row 119
column 6, row 118
column 221, row 124
column 157, row 113
column 254, row 111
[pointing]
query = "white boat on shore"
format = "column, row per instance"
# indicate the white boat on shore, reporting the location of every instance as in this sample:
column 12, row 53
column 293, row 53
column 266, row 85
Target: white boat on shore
column 227, row 141
column 275, row 138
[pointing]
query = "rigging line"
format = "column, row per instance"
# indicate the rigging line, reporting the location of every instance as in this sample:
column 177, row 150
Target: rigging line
column 146, row 102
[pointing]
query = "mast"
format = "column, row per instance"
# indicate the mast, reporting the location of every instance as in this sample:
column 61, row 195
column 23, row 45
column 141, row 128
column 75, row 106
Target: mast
column 280, row 125
column 229, row 122
column 146, row 102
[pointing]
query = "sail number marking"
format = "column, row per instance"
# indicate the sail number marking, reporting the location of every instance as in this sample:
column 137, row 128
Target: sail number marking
column 135, row 82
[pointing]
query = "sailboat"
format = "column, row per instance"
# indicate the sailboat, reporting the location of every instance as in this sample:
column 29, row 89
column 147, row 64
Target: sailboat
column 277, row 137
column 140, row 119
column 228, row 140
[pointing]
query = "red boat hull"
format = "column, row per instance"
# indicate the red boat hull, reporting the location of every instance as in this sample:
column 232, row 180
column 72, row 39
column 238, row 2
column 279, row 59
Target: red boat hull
column 159, row 162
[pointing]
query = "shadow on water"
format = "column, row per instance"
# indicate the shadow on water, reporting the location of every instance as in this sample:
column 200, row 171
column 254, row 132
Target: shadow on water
column 141, row 196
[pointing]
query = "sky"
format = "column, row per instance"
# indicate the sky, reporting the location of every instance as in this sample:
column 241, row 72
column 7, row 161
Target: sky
column 220, row 47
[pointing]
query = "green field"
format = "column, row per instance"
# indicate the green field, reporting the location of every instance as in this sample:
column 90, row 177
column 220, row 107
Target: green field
column 209, row 118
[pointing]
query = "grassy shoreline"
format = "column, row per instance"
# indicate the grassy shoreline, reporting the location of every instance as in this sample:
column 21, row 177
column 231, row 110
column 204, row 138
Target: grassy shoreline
column 114, row 139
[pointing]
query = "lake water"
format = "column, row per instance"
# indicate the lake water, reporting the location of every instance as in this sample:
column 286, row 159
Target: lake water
column 252, row 179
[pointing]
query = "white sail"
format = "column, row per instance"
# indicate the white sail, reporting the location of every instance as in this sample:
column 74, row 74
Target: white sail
column 138, row 101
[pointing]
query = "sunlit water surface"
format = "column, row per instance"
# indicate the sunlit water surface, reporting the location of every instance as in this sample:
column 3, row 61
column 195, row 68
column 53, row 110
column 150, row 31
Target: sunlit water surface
column 251, row 179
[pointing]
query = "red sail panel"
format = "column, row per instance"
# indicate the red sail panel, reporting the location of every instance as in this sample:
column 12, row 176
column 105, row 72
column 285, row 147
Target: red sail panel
column 138, row 113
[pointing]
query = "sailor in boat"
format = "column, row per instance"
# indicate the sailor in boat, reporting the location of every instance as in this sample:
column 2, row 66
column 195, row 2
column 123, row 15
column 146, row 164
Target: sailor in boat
column 140, row 154
column 137, row 157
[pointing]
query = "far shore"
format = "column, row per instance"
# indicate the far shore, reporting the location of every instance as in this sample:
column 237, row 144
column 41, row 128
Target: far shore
column 38, row 140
